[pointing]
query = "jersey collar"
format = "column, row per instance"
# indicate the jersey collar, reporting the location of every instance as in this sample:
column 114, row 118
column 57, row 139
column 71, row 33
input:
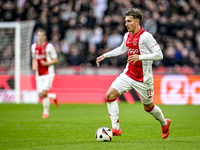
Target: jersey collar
column 138, row 33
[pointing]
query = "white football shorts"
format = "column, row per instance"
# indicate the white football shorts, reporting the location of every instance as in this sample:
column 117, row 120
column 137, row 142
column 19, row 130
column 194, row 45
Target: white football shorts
column 124, row 83
column 44, row 82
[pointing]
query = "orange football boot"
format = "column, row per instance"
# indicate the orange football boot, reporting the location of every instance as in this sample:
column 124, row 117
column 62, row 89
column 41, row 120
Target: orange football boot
column 55, row 101
column 165, row 129
column 45, row 116
column 116, row 132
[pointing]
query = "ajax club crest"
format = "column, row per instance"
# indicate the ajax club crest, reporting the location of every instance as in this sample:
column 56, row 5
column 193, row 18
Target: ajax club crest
column 134, row 42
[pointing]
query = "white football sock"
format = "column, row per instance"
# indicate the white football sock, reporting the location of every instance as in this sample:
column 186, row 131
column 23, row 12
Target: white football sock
column 113, row 110
column 46, row 105
column 52, row 95
column 158, row 115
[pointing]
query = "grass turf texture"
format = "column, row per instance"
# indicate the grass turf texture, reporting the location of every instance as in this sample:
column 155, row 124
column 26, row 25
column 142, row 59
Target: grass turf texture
column 72, row 127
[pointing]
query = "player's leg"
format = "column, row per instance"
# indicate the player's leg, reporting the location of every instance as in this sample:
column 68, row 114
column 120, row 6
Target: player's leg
column 52, row 95
column 118, row 87
column 113, row 110
column 146, row 93
column 157, row 113
column 113, row 107
column 46, row 84
column 40, row 82
column 46, row 103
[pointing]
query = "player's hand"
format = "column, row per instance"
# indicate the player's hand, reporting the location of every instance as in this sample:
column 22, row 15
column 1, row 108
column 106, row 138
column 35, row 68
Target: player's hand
column 133, row 58
column 99, row 59
column 33, row 68
column 44, row 63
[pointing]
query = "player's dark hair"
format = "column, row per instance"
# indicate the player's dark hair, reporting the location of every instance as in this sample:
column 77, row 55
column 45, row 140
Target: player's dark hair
column 135, row 13
column 41, row 30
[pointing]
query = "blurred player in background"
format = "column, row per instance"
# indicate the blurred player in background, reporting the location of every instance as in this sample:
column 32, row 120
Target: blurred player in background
column 142, row 49
column 43, row 59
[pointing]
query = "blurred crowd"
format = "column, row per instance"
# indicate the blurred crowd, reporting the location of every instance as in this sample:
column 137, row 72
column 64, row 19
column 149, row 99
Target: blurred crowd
column 81, row 30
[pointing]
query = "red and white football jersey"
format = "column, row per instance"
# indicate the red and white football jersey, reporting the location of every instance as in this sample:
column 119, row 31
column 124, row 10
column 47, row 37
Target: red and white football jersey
column 143, row 44
column 46, row 53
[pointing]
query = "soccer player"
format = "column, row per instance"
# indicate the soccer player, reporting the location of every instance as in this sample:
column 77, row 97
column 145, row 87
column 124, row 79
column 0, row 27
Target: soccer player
column 44, row 57
column 142, row 49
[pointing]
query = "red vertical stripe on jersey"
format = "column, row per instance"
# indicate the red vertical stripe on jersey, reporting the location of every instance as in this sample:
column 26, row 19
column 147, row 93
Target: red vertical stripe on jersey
column 135, row 71
column 40, row 54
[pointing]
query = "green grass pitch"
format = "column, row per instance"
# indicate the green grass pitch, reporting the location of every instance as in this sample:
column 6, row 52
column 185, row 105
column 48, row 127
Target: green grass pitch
column 73, row 127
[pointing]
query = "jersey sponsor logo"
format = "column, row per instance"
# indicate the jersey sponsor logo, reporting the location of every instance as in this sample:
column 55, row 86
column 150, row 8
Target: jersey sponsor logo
column 39, row 56
column 132, row 51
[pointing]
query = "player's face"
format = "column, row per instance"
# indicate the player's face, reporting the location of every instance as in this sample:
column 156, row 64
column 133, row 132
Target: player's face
column 41, row 37
column 131, row 23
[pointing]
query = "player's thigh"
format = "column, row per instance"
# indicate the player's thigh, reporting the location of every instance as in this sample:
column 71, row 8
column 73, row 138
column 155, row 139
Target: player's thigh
column 121, row 84
column 39, row 84
column 48, row 80
column 145, row 91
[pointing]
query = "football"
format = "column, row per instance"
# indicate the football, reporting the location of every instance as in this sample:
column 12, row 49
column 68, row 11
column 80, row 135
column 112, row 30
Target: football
column 104, row 134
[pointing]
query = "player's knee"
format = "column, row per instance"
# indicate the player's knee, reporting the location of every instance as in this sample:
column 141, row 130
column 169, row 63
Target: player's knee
column 44, row 93
column 111, row 95
column 148, row 107
column 41, row 95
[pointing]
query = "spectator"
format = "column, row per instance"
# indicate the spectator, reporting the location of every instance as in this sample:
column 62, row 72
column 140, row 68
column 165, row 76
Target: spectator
column 75, row 57
column 91, row 56
column 7, row 57
column 149, row 24
column 99, row 6
column 96, row 37
column 178, row 52
column 169, row 57
column 114, row 40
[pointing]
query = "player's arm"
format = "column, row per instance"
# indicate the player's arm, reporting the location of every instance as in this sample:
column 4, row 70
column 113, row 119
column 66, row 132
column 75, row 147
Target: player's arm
column 33, row 64
column 33, row 58
column 115, row 52
column 46, row 63
column 99, row 59
column 53, row 55
column 154, row 56
column 152, row 45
